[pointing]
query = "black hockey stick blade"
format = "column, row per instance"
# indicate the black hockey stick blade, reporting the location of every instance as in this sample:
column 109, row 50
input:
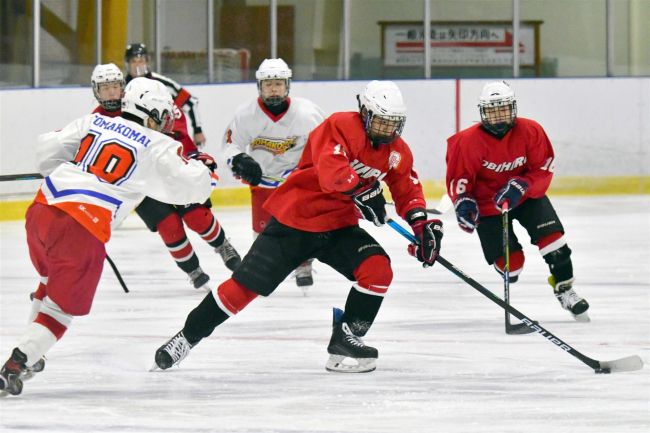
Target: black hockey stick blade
column 519, row 328
column 629, row 363
column 430, row 211
column 24, row 176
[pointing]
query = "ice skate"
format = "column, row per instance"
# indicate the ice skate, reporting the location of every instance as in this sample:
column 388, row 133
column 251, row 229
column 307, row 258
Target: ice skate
column 229, row 255
column 36, row 368
column 348, row 353
column 172, row 352
column 10, row 380
column 569, row 299
column 304, row 278
column 199, row 279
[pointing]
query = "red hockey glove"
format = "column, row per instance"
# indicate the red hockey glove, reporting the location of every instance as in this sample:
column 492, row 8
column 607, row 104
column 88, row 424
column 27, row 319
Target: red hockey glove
column 429, row 235
column 513, row 192
column 204, row 158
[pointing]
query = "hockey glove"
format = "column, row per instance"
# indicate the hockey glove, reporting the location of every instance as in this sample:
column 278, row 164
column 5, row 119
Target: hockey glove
column 513, row 192
column 204, row 158
column 429, row 235
column 370, row 202
column 246, row 168
column 466, row 213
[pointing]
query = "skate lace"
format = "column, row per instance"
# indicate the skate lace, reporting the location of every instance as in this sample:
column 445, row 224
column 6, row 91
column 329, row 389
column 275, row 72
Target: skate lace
column 350, row 337
column 569, row 298
column 227, row 251
column 178, row 348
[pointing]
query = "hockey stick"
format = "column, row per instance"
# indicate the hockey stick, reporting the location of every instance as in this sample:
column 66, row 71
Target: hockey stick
column 518, row 328
column 443, row 206
column 117, row 274
column 24, row 176
column 629, row 363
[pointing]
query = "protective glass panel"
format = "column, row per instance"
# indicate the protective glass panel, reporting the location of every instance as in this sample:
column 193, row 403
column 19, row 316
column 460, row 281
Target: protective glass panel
column 16, row 54
column 386, row 39
column 473, row 38
column 310, row 37
column 573, row 42
column 67, row 42
column 184, row 50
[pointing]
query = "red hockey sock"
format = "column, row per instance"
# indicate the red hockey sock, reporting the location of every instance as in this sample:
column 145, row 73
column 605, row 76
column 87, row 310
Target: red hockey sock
column 374, row 275
column 172, row 232
column 232, row 297
column 517, row 260
column 202, row 221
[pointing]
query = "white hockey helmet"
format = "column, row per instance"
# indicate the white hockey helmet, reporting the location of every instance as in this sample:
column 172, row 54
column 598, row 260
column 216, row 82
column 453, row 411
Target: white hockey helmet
column 149, row 99
column 273, row 69
column 498, row 107
column 103, row 74
column 383, row 111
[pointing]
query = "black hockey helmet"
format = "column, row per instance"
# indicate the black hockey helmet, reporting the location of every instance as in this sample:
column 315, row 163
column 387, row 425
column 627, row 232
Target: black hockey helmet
column 136, row 50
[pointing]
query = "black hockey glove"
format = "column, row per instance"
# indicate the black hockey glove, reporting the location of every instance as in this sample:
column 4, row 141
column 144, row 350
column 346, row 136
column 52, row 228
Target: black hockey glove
column 513, row 192
column 247, row 169
column 466, row 213
column 204, row 158
column 429, row 235
column 370, row 202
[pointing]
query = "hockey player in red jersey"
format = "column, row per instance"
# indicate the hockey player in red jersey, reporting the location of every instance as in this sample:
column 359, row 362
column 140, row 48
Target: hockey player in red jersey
column 167, row 219
column 315, row 214
column 267, row 136
column 136, row 60
column 97, row 169
column 510, row 159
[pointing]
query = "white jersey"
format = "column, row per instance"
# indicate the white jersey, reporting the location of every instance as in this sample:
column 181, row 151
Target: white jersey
column 98, row 169
column 275, row 142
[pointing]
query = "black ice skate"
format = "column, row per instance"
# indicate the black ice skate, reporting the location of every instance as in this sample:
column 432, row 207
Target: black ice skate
column 229, row 255
column 172, row 352
column 348, row 353
column 10, row 380
column 304, row 277
column 569, row 299
column 199, row 279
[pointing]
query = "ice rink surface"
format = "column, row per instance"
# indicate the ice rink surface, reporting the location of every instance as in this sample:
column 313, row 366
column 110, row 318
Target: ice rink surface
column 445, row 363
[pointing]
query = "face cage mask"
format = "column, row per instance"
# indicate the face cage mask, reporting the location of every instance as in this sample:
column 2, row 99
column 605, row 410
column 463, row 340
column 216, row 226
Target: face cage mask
column 165, row 121
column 112, row 104
column 140, row 70
column 378, row 135
column 274, row 101
column 503, row 121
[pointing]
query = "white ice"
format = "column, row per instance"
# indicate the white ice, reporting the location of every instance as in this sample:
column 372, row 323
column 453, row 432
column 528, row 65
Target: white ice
column 445, row 362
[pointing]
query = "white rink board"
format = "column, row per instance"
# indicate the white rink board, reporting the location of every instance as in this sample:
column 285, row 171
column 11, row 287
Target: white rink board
column 445, row 363
column 599, row 126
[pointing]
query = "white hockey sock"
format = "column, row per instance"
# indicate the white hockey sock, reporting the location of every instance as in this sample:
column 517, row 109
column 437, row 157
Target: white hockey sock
column 35, row 342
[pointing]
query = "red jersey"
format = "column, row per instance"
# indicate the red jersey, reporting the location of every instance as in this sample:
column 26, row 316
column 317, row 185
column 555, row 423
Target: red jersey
column 338, row 155
column 179, row 132
column 480, row 164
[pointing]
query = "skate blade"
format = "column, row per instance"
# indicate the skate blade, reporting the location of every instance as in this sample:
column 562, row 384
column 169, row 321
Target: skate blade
column 583, row 317
column 344, row 364
column 155, row 367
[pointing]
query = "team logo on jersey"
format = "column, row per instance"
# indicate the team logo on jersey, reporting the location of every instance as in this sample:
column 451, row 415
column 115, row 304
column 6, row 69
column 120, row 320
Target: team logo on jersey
column 365, row 172
column 505, row 166
column 394, row 159
column 276, row 146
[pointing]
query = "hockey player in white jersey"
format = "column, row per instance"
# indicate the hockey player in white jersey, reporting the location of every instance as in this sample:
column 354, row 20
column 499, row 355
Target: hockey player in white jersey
column 97, row 169
column 265, row 140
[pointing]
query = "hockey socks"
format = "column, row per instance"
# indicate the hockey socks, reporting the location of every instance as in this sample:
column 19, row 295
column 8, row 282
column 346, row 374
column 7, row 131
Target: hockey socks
column 226, row 301
column 172, row 232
